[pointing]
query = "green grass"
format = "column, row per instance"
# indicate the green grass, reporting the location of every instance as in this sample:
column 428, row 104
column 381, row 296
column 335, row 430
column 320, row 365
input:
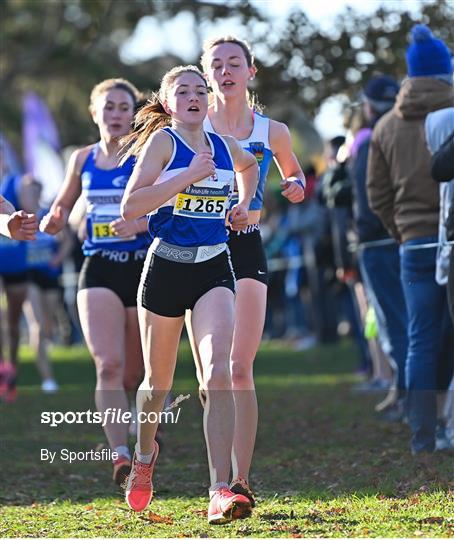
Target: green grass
column 324, row 466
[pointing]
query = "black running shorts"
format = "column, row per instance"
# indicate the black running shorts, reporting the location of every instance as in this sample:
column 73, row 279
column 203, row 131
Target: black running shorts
column 118, row 271
column 43, row 281
column 247, row 254
column 18, row 278
column 169, row 288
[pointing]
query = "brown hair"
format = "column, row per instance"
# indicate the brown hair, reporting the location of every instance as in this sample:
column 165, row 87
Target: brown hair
column 108, row 84
column 355, row 119
column 210, row 43
column 152, row 116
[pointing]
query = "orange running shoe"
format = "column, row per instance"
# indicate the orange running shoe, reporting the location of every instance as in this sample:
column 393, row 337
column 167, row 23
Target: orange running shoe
column 121, row 470
column 226, row 506
column 241, row 487
column 139, row 488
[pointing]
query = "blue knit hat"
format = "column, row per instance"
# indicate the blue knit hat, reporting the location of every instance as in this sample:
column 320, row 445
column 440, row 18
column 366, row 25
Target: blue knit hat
column 381, row 91
column 426, row 55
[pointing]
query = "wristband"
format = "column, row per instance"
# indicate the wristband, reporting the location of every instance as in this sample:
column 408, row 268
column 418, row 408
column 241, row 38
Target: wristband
column 300, row 182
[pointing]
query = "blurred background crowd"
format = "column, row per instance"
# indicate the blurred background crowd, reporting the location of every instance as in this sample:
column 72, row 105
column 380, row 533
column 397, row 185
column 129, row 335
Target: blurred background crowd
column 367, row 255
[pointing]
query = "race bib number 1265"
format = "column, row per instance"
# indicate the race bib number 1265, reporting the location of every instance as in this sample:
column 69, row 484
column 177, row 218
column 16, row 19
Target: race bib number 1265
column 203, row 202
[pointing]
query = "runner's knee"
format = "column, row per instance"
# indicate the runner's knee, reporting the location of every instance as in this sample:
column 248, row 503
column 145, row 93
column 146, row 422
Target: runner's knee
column 109, row 370
column 242, row 375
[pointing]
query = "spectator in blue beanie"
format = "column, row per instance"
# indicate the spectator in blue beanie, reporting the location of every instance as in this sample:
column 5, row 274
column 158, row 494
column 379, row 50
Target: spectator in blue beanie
column 406, row 199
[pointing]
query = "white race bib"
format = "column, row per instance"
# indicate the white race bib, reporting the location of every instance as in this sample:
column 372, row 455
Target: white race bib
column 205, row 199
column 101, row 217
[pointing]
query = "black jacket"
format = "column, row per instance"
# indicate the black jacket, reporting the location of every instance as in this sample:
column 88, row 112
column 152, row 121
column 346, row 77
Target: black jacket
column 368, row 226
column 442, row 166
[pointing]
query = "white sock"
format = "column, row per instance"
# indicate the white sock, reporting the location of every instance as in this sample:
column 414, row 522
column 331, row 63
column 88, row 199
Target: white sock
column 143, row 458
column 123, row 451
column 216, row 487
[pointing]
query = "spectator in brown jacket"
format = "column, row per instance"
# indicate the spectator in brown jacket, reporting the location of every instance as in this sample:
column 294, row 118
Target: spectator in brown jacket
column 406, row 199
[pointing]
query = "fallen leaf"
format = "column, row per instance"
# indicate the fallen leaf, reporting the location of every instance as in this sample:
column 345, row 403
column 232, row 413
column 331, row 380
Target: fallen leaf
column 281, row 527
column 337, row 510
column 156, row 518
column 435, row 519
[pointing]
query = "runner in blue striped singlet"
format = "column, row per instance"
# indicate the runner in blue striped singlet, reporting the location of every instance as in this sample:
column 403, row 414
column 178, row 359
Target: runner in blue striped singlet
column 184, row 180
column 115, row 250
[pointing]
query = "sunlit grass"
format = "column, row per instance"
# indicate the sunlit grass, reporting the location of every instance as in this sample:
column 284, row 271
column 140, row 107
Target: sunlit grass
column 324, row 465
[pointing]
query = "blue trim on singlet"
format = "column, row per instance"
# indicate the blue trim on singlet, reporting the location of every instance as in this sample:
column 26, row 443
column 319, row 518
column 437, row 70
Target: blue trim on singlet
column 103, row 191
column 185, row 230
column 9, row 188
column 256, row 145
column 13, row 253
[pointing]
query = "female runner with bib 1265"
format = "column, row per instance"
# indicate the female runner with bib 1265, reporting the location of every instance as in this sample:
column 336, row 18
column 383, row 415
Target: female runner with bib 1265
column 229, row 65
column 115, row 251
column 184, row 179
